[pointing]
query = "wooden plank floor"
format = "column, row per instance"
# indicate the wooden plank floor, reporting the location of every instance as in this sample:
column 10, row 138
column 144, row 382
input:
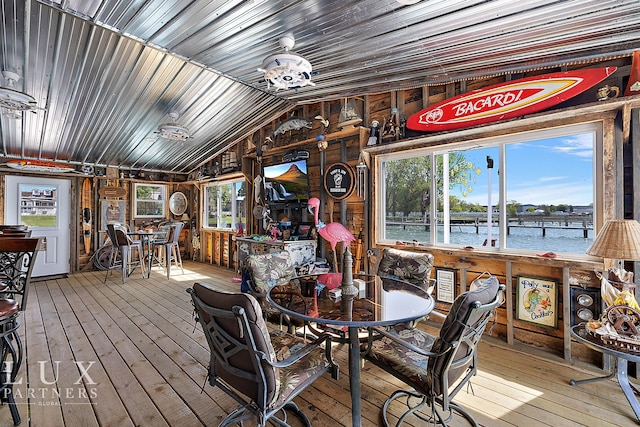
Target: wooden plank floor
column 127, row 354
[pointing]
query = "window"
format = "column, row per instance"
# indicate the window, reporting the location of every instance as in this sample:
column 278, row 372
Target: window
column 527, row 192
column 225, row 204
column 150, row 200
column 38, row 205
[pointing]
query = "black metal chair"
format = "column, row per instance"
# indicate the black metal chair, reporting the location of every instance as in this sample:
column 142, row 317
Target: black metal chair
column 122, row 245
column 17, row 258
column 436, row 367
column 262, row 370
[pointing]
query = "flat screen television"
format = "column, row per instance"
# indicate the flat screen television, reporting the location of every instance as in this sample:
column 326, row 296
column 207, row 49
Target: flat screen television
column 286, row 181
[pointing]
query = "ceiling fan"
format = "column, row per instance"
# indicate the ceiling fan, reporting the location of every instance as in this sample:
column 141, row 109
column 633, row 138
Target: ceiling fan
column 287, row 70
column 13, row 99
column 173, row 130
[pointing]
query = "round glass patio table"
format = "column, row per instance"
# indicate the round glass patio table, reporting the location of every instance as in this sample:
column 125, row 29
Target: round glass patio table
column 622, row 357
column 382, row 301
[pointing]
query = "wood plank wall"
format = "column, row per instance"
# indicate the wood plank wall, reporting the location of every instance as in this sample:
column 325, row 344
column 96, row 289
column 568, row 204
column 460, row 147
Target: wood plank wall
column 468, row 265
column 355, row 212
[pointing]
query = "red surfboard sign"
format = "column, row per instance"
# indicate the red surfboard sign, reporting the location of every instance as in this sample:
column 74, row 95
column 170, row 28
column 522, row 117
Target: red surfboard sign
column 506, row 100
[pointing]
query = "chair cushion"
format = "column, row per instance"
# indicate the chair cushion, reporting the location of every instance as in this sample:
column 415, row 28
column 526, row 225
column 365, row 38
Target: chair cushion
column 300, row 374
column 409, row 366
column 8, row 307
column 454, row 324
column 484, row 294
column 268, row 270
column 413, row 267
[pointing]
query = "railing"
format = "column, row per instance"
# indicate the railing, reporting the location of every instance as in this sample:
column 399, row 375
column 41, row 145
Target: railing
column 582, row 222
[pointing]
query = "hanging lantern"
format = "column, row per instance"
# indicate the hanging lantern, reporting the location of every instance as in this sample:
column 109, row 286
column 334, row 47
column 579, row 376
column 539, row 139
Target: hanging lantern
column 361, row 179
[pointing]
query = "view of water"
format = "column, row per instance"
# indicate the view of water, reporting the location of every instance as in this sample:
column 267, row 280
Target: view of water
column 555, row 240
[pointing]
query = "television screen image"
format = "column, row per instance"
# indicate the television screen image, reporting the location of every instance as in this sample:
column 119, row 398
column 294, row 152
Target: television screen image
column 286, row 181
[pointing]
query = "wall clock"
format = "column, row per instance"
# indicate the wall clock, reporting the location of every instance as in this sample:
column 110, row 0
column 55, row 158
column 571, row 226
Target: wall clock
column 178, row 203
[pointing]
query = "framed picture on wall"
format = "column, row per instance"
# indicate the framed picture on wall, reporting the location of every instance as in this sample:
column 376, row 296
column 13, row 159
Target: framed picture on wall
column 112, row 211
column 537, row 301
column 445, row 285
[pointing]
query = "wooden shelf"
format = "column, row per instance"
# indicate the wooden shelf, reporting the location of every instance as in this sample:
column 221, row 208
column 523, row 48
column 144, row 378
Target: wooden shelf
column 345, row 133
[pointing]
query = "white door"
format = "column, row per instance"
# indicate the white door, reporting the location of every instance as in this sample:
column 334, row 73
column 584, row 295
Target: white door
column 44, row 204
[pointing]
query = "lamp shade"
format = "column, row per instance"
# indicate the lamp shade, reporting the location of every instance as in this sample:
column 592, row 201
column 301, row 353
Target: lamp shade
column 618, row 239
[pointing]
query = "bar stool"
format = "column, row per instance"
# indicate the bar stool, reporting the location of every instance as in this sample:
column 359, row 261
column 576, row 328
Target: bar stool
column 17, row 256
column 122, row 244
column 17, row 227
column 170, row 248
column 157, row 246
column 14, row 231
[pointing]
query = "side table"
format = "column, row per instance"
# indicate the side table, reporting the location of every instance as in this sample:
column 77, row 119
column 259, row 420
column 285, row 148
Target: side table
column 622, row 358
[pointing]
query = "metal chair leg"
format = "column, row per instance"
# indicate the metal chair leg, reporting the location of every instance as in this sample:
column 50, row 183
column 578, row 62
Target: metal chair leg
column 8, row 376
column 110, row 265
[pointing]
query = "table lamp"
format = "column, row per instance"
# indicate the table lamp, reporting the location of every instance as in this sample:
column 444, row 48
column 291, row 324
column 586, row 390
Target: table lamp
column 618, row 240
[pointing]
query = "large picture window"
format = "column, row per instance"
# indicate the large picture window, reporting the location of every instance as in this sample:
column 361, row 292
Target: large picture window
column 150, row 200
column 225, row 205
column 527, row 192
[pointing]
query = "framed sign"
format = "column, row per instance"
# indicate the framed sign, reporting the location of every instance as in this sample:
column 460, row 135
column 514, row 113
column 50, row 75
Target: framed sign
column 112, row 211
column 445, row 285
column 537, row 301
column 339, row 181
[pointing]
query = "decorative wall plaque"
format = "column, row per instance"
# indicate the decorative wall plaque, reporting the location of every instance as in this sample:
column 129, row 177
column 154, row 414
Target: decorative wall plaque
column 537, row 301
column 339, row 181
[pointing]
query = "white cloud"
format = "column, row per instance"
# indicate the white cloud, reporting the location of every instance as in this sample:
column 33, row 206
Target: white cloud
column 571, row 193
column 551, row 178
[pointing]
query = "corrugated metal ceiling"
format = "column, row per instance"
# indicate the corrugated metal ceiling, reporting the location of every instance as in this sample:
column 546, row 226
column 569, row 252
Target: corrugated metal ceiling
column 106, row 73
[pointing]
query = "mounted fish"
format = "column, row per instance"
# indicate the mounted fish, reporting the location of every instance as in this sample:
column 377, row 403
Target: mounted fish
column 291, row 124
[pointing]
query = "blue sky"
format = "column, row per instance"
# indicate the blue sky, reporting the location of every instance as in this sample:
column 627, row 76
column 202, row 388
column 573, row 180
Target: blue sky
column 277, row 170
column 551, row 171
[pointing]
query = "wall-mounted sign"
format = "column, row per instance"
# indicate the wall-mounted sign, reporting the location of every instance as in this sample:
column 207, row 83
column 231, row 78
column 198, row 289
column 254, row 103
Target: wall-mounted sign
column 446, row 285
column 339, row 180
column 506, row 100
column 537, row 301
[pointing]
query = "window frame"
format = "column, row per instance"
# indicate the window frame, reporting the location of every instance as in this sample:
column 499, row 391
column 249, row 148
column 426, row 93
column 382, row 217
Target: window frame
column 162, row 202
column 235, row 215
column 501, row 140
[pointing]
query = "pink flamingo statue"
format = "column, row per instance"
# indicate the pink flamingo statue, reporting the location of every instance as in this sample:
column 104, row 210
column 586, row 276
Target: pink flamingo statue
column 333, row 232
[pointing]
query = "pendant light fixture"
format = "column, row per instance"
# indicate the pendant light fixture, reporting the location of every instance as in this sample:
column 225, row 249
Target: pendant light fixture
column 13, row 99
